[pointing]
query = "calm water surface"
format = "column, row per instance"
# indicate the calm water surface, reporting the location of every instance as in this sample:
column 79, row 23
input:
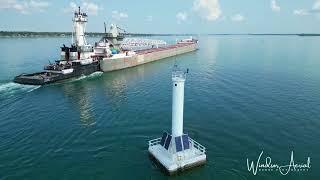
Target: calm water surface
column 244, row 94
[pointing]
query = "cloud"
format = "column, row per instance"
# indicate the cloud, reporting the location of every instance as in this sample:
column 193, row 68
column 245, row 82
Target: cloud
column 91, row 8
column 304, row 12
column 149, row 18
column 7, row 4
column 301, row 12
column 181, row 17
column 274, row 6
column 316, row 5
column 88, row 7
column 238, row 18
column 72, row 7
column 116, row 15
column 39, row 5
column 24, row 7
column 208, row 9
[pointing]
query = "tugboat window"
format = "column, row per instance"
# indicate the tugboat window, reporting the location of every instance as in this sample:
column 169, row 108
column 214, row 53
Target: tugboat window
column 175, row 84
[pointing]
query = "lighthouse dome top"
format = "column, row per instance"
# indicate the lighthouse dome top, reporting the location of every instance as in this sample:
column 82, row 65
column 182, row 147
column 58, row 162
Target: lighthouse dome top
column 178, row 74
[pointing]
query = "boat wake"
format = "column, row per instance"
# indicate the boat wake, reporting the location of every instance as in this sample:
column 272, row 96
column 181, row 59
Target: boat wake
column 95, row 74
column 79, row 78
column 91, row 76
column 10, row 89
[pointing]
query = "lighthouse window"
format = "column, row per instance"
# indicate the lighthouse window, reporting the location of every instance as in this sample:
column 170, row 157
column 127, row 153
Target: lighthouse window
column 175, row 84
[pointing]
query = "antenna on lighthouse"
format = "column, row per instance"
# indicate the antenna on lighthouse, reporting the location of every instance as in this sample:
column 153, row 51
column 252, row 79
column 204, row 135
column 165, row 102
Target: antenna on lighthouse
column 177, row 151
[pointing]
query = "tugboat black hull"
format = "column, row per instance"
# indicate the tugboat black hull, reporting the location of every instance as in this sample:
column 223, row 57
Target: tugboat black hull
column 47, row 77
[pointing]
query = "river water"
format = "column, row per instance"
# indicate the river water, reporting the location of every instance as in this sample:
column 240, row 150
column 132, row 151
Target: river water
column 243, row 95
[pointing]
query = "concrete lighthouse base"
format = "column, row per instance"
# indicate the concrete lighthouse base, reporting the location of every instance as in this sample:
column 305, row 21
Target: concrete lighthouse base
column 174, row 161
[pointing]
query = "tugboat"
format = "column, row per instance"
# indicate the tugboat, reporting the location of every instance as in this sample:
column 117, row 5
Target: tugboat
column 74, row 61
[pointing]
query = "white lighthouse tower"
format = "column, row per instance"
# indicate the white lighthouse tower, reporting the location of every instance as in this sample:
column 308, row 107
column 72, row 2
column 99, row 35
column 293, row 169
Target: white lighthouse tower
column 79, row 25
column 178, row 79
column 177, row 151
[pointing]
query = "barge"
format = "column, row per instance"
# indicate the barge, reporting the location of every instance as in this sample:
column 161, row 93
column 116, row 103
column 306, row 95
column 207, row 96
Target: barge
column 136, row 51
column 129, row 59
column 112, row 52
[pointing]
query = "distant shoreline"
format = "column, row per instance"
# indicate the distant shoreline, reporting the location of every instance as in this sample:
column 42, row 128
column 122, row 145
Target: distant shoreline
column 264, row 34
column 67, row 34
column 99, row 34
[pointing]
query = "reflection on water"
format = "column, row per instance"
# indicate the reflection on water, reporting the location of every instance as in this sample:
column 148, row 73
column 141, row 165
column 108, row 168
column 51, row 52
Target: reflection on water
column 85, row 109
column 116, row 83
column 117, row 88
column 78, row 91
column 210, row 47
column 79, row 95
column 242, row 94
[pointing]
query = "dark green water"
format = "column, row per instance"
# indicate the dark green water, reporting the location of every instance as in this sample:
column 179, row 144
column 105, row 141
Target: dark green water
column 244, row 94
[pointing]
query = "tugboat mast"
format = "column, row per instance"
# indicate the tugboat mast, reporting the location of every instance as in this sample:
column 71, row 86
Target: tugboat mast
column 79, row 25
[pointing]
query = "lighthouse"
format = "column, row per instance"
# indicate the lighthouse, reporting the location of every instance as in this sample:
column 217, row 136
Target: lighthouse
column 177, row 151
column 79, row 25
column 178, row 79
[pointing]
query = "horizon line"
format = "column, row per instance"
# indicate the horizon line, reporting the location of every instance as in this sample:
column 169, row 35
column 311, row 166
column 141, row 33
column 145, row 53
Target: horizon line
column 178, row 34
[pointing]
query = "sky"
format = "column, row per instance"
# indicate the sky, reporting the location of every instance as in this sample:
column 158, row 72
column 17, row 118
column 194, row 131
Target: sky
column 165, row 16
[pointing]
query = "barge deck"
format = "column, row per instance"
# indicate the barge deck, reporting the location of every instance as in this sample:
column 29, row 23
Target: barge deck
column 145, row 56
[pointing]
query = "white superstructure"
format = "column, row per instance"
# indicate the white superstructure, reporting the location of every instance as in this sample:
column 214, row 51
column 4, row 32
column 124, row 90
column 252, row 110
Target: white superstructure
column 114, row 31
column 79, row 25
column 80, row 50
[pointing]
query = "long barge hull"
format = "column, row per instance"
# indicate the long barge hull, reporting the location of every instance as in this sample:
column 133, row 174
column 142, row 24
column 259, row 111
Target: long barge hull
column 146, row 56
column 107, row 64
column 47, row 77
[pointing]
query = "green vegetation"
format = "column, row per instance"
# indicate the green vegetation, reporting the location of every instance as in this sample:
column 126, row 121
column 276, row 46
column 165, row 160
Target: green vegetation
column 63, row 34
column 41, row 34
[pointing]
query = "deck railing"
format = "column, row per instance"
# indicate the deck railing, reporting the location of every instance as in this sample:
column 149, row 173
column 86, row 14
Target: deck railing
column 192, row 142
column 197, row 145
column 154, row 142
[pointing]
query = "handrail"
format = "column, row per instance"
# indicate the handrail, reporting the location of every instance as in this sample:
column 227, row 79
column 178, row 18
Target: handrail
column 197, row 145
column 193, row 143
column 154, row 142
